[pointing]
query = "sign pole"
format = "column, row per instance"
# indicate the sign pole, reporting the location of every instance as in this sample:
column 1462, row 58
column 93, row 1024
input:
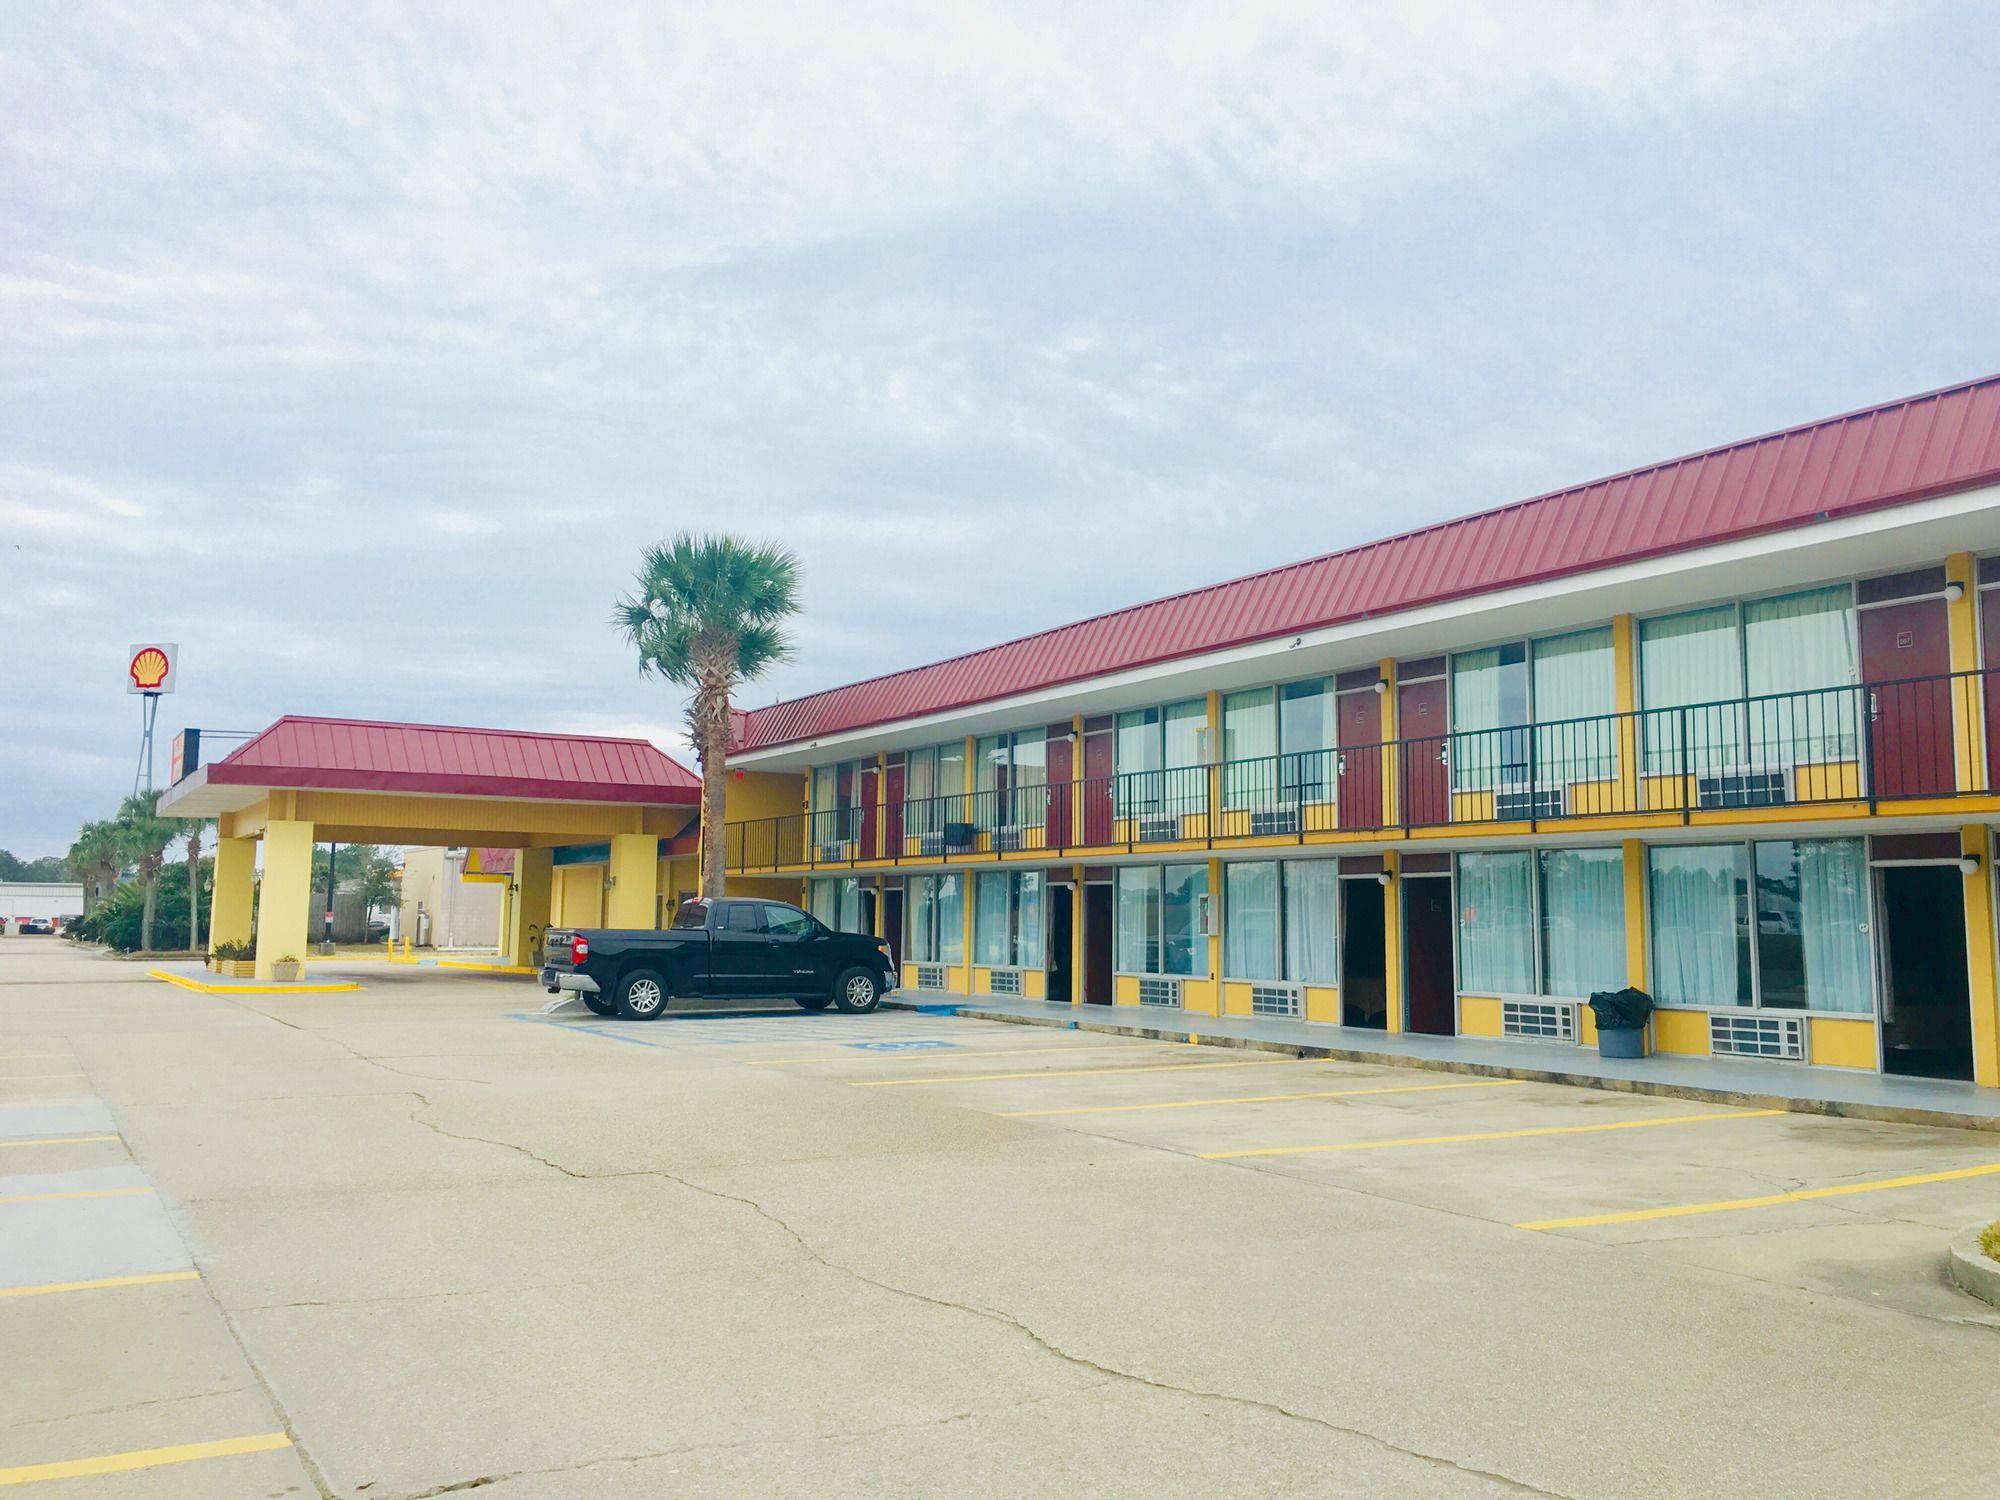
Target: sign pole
column 149, row 713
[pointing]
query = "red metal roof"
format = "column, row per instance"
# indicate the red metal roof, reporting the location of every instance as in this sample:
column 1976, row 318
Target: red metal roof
column 430, row 759
column 1885, row 455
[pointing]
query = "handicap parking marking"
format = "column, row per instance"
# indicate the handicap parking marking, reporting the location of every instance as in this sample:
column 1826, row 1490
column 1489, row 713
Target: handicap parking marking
column 920, row 1044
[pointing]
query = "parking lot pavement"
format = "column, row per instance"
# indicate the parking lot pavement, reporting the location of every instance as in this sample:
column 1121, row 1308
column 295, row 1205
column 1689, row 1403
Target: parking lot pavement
column 463, row 1244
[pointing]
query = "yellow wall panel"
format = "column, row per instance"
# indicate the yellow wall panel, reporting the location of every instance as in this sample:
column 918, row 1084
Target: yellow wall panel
column 1323, row 1004
column 1125, row 990
column 1843, row 1044
column 1478, row 1015
column 1198, row 997
column 1235, row 998
column 1683, row 1031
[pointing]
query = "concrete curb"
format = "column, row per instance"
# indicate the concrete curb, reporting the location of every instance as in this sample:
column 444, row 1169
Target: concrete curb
column 1974, row 1270
column 1890, row 1114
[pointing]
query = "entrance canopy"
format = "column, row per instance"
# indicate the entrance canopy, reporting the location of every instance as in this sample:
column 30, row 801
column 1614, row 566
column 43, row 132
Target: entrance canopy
column 353, row 781
column 361, row 781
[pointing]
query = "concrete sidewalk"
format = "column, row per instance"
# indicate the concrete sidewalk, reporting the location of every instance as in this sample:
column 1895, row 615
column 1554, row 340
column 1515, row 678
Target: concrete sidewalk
column 1797, row 1087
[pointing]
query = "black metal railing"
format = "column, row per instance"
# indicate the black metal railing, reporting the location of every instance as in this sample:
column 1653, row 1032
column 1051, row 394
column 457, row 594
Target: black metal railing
column 1889, row 742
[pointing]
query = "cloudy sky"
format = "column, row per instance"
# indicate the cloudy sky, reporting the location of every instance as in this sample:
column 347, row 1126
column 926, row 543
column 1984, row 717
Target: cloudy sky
column 360, row 348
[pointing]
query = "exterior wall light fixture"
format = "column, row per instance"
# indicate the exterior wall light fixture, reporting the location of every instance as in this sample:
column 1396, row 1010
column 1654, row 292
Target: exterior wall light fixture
column 1969, row 865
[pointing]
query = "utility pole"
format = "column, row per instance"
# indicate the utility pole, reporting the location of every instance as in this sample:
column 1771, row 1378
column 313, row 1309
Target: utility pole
column 332, row 857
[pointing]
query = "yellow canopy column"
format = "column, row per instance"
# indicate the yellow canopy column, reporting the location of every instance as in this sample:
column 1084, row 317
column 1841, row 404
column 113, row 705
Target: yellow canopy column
column 1979, row 947
column 634, row 897
column 534, row 882
column 235, row 892
column 283, row 905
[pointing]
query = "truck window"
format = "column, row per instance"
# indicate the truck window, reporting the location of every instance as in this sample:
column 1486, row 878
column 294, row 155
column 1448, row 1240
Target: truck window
column 692, row 914
column 786, row 920
column 737, row 916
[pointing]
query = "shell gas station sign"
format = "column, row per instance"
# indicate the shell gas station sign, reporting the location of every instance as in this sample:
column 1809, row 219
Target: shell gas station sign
column 150, row 668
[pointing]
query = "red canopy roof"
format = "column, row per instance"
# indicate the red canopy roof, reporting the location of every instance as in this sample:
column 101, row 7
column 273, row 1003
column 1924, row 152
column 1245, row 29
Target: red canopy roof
column 364, row 756
column 1886, row 455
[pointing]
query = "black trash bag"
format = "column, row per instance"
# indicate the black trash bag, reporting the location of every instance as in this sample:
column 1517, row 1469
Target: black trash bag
column 1621, row 1010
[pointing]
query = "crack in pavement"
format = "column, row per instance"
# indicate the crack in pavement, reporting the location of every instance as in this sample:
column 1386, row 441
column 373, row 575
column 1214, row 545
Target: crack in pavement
column 994, row 1315
column 124, row 1406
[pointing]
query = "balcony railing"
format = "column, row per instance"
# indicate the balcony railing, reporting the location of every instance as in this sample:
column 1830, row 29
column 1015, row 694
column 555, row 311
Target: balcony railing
column 1919, row 738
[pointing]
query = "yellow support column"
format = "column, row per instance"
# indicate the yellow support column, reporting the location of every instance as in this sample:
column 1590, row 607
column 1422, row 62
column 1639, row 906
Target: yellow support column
column 1212, row 821
column 1979, row 951
column 1076, row 930
column 1625, row 668
column 1635, row 915
column 1392, row 941
column 283, row 903
column 534, row 880
column 235, row 892
column 634, row 898
column 1968, row 702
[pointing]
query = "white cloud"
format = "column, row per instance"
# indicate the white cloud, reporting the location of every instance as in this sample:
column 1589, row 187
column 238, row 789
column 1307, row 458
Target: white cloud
column 361, row 347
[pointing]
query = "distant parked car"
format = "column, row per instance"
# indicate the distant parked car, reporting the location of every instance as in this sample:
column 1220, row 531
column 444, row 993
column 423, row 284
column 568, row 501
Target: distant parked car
column 35, row 926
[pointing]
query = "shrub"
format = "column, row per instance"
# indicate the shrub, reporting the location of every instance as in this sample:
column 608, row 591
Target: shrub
column 114, row 921
column 1989, row 1241
column 234, row 951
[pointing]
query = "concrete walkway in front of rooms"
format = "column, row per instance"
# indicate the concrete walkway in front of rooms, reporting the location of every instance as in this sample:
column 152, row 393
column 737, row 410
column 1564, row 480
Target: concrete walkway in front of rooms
column 1766, row 1085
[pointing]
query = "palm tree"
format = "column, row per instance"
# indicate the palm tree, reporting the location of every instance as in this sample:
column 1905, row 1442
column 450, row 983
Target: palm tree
column 708, row 613
column 194, row 883
column 96, row 858
column 145, row 835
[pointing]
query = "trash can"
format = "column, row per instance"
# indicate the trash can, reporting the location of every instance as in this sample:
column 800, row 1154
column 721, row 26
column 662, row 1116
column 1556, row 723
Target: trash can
column 1621, row 1021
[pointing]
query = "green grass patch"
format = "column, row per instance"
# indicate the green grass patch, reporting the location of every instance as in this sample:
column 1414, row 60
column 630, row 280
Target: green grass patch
column 1989, row 1241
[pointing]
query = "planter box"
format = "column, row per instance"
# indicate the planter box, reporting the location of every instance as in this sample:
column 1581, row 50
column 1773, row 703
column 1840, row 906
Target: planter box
column 234, row 968
column 285, row 973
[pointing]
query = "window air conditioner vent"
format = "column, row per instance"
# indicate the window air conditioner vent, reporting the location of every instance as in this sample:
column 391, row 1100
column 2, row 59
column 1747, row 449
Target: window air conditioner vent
column 1006, row 840
column 1006, row 981
column 1158, row 829
column 930, row 976
column 1541, row 1020
column 1516, row 804
column 1781, row 1037
column 1744, row 787
column 1160, row 992
column 1275, row 999
column 1269, row 822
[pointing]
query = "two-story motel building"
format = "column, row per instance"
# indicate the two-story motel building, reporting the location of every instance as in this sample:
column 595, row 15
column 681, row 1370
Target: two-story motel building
column 1725, row 728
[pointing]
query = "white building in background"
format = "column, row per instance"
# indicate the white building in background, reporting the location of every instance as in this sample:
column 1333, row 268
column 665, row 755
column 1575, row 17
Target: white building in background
column 36, row 898
column 445, row 906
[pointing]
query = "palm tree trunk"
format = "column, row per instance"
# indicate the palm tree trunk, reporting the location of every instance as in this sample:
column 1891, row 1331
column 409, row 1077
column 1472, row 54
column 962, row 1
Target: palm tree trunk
column 146, row 915
column 714, row 805
column 194, row 889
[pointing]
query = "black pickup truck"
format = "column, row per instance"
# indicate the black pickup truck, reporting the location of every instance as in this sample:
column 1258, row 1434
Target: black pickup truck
column 727, row 950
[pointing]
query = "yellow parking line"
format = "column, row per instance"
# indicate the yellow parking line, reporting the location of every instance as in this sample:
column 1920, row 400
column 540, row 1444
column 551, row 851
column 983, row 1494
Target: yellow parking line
column 890, row 1083
column 1490, row 1135
column 49, row 1287
column 86, row 1193
column 1403, row 1088
column 145, row 1458
column 786, row 1062
column 1769, row 1200
column 10, row 1077
column 57, row 1140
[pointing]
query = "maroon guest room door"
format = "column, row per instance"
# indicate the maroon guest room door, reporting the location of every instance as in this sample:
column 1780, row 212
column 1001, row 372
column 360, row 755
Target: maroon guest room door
column 892, row 811
column 1906, row 664
column 869, row 787
column 1420, row 725
column 1359, row 803
column 1061, row 795
column 1098, row 758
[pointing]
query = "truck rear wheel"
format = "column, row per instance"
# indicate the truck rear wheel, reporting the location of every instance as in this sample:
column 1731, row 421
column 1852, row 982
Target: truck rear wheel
column 603, row 1005
column 642, row 995
column 857, row 992
column 814, row 1002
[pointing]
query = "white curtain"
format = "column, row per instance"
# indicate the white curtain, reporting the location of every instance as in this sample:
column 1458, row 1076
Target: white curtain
column 1583, row 921
column 1475, row 718
column 1701, row 943
column 1138, row 921
column 1796, row 647
column 919, row 786
column 1576, row 691
column 1031, row 778
column 1305, row 740
column 1496, row 923
column 991, row 935
column 1183, row 948
column 950, row 918
column 1692, row 659
column 1249, row 743
column 1250, row 921
column 1312, row 921
column 1833, row 917
column 1028, row 951
column 922, row 918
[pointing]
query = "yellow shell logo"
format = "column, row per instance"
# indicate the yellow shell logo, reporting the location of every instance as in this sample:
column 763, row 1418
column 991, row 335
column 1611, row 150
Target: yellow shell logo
column 149, row 668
